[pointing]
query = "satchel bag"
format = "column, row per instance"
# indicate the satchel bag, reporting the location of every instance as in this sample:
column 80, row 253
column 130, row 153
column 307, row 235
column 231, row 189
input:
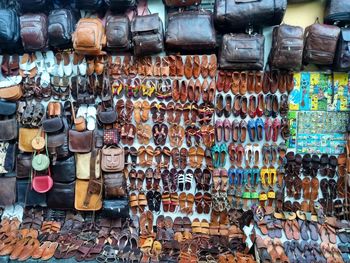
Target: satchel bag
column 27, row 196
column 80, row 142
column 287, row 47
column 7, row 157
column 61, row 196
column 23, row 165
column 34, row 33
column 190, row 30
column 112, row 159
column 120, row 5
column 114, row 185
column 237, row 14
column 242, row 51
column 42, row 183
column 337, row 11
column 8, row 129
column 89, row 37
column 7, row 190
column 53, row 125
column 147, row 35
column 88, row 4
column 12, row 93
column 342, row 60
column 64, row 170
column 9, row 27
column 61, row 27
column 181, row 3
column 35, row 5
column 118, row 208
column 320, row 44
column 25, row 138
column 118, row 33
column 57, row 143
column 82, row 165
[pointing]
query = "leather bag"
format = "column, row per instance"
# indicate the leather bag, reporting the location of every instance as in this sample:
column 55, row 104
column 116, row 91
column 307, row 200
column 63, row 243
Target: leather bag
column 64, row 170
column 9, row 27
column 7, row 108
column 237, row 14
column 114, row 185
column 147, row 35
column 82, row 165
column 27, row 196
column 23, row 165
column 8, row 129
column 337, row 11
column 190, row 30
column 57, row 143
column 80, row 142
column 12, row 93
column 181, row 3
column 89, row 37
column 61, row 196
column 35, row 5
column 110, row 137
column 34, row 32
column 242, row 51
column 53, row 125
column 79, row 123
column 112, row 159
column 342, row 59
column 42, row 183
column 117, row 208
column 118, row 33
column 121, row 5
column 7, row 190
column 61, row 27
column 88, row 4
column 287, row 47
column 25, row 138
column 320, row 44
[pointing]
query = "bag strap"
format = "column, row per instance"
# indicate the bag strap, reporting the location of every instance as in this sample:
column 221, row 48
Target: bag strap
column 73, row 111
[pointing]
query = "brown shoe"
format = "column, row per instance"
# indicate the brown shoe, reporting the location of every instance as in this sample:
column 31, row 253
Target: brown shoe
column 164, row 70
column 183, row 91
column 236, row 82
column 176, row 90
column 244, row 80
column 250, row 82
column 282, row 82
column 266, row 83
column 156, row 68
column 172, row 66
column 205, row 91
column 197, row 90
column 196, row 66
column 205, row 66
column 179, row 66
column 191, row 90
column 213, row 65
column 258, row 82
column 188, row 67
column 212, row 88
column 275, row 76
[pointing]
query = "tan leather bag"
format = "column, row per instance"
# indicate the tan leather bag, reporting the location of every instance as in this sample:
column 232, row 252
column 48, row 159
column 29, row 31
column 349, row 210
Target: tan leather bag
column 25, row 138
column 80, row 124
column 112, row 159
column 89, row 37
column 12, row 93
column 82, row 162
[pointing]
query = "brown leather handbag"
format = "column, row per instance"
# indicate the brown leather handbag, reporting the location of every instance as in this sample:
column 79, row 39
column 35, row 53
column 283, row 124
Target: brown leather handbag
column 242, row 51
column 320, row 44
column 181, row 3
column 190, row 30
column 80, row 124
column 287, row 47
column 114, row 185
column 112, row 159
column 25, row 138
column 34, row 32
column 80, row 142
column 89, row 37
column 13, row 93
column 118, row 33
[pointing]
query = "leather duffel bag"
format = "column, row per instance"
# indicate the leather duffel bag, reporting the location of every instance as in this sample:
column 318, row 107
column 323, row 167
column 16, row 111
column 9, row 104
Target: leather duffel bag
column 89, row 37
column 9, row 27
column 120, row 5
column 118, row 33
column 337, row 11
column 88, row 4
column 242, row 51
column 320, row 44
column 61, row 27
column 287, row 47
column 190, row 30
column 34, row 32
column 342, row 58
column 181, row 3
column 237, row 14
column 147, row 35
column 35, row 5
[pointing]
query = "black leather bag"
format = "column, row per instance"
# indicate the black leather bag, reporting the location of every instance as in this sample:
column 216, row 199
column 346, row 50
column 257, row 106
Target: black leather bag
column 27, row 196
column 7, row 190
column 147, row 35
column 61, row 196
column 64, row 170
column 61, row 27
column 116, row 208
column 118, row 33
column 23, row 165
column 57, row 142
column 337, row 11
column 120, row 5
column 242, row 51
column 9, row 27
column 88, row 4
column 35, row 5
column 342, row 57
column 190, row 30
column 34, row 32
column 237, row 14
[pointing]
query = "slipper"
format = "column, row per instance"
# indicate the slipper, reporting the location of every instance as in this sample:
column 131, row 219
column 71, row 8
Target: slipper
column 39, row 62
column 49, row 61
column 27, row 66
column 82, row 111
column 67, row 64
column 58, row 71
column 82, row 67
column 45, row 79
column 91, row 118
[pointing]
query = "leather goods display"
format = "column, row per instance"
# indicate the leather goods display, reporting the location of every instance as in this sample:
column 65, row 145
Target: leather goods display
column 61, row 196
column 337, row 11
column 181, row 3
column 64, row 170
column 26, row 195
column 112, row 159
column 89, row 37
column 7, row 157
column 12, row 93
column 320, row 44
column 61, row 27
column 342, row 59
column 118, row 33
column 35, row 5
column 42, row 183
column 7, row 190
column 120, row 5
column 147, row 34
column 82, row 165
column 114, row 185
column 242, row 51
column 25, row 138
column 190, row 30
column 80, row 142
column 23, row 165
column 34, row 32
column 287, row 47
column 88, row 4
column 118, row 208
column 237, row 14
column 9, row 27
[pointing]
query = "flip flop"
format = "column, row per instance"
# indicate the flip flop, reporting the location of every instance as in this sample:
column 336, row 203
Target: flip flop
column 91, row 118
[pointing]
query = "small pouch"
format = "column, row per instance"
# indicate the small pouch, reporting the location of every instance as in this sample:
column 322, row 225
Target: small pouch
column 42, row 183
column 110, row 137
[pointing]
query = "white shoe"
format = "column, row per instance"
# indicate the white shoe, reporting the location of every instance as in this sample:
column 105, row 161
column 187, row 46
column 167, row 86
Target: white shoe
column 82, row 111
column 45, row 79
column 49, row 61
column 82, row 67
column 39, row 62
column 91, row 118
column 67, row 64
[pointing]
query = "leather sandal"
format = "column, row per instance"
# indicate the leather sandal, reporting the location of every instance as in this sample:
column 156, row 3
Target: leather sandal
column 188, row 67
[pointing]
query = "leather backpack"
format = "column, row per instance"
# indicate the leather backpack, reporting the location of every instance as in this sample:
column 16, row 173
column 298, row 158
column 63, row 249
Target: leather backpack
column 34, row 32
column 35, row 5
column 89, row 37
column 9, row 27
column 88, row 4
column 242, row 51
column 287, row 47
column 147, row 35
column 120, row 5
column 61, row 27
column 118, row 33
column 342, row 58
column 337, row 11
column 181, row 3
column 320, row 44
